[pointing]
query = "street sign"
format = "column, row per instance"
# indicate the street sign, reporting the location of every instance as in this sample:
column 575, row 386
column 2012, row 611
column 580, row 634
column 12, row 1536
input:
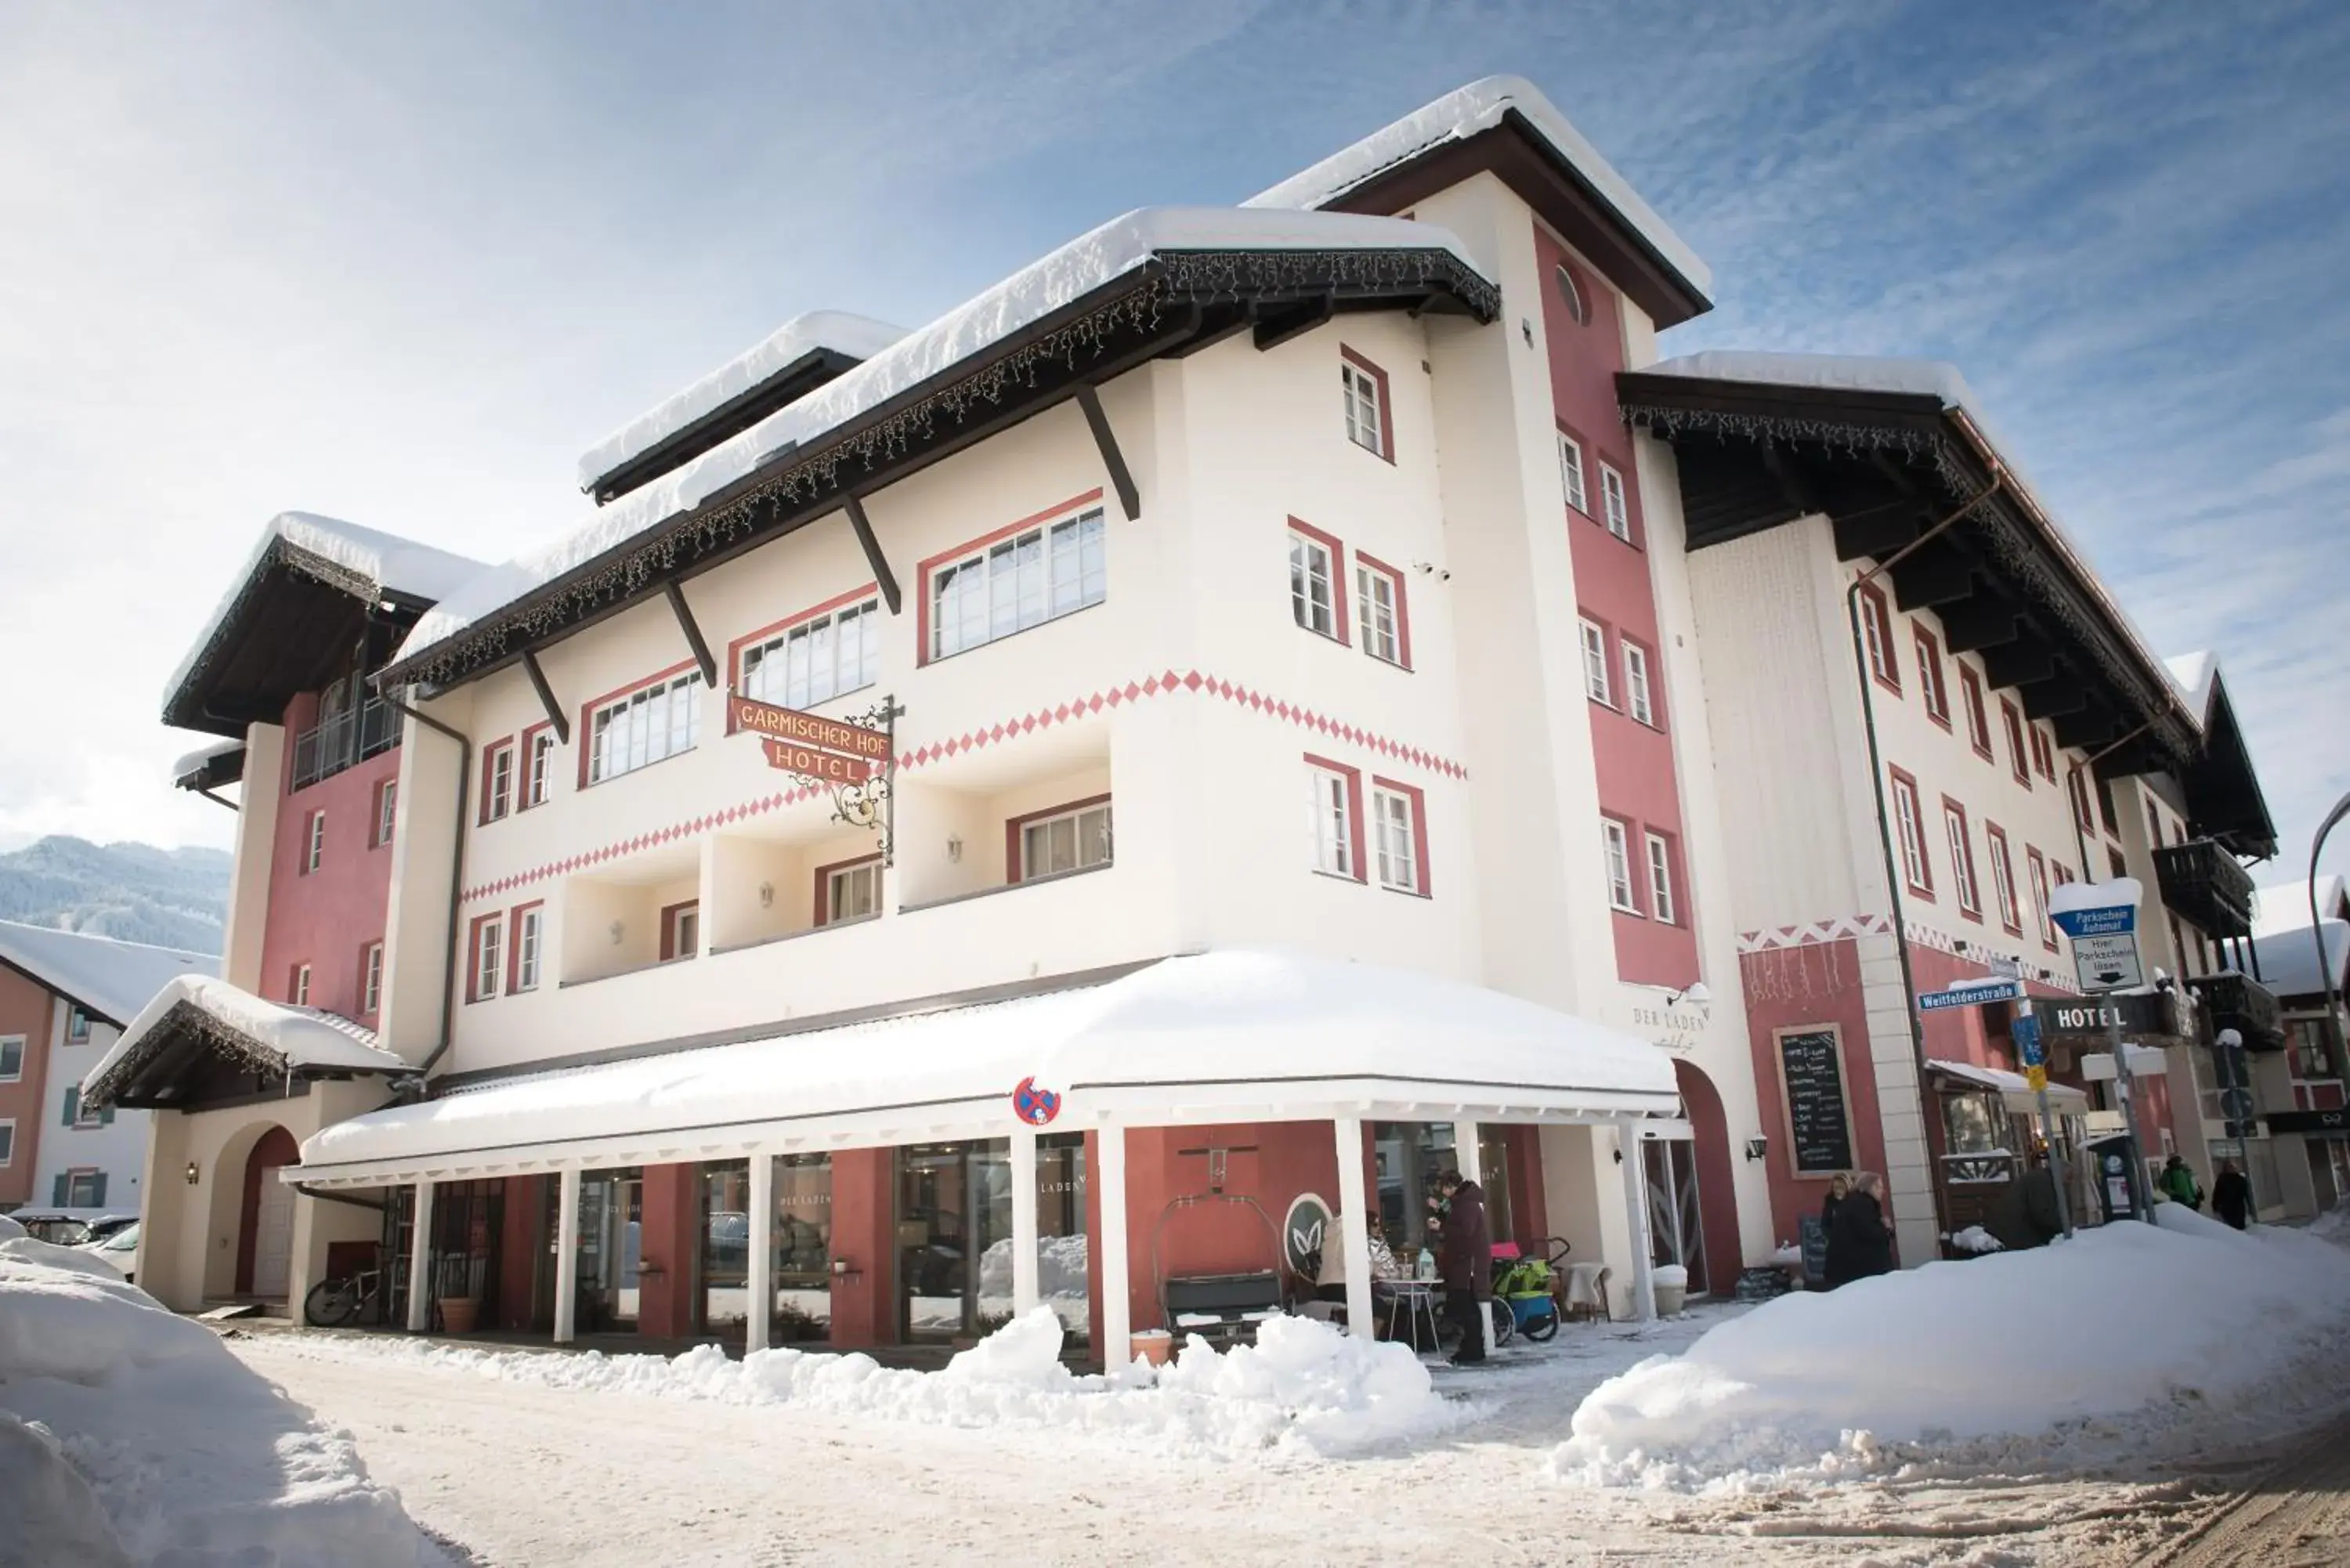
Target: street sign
column 2236, row 1103
column 1971, row 993
column 2112, row 921
column 2006, row 966
column 2025, row 1033
column 2108, row 962
column 2096, row 908
column 2035, row 1076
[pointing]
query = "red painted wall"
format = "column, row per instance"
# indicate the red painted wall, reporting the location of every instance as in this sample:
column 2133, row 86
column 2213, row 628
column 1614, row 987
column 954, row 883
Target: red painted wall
column 864, row 1240
column 325, row 918
column 1786, row 988
column 670, row 1256
column 1637, row 778
column 1717, row 1199
column 522, row 1245
column 24, row 1009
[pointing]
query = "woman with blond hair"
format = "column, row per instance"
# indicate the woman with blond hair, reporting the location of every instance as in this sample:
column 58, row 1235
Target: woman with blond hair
column 1859, row 1242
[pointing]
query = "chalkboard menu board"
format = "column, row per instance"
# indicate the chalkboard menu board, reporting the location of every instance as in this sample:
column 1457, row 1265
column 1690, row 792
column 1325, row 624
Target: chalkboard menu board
column 1819, row 1118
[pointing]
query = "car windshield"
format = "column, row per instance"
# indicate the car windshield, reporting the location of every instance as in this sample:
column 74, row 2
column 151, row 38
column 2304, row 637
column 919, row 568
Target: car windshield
column 123, row 1240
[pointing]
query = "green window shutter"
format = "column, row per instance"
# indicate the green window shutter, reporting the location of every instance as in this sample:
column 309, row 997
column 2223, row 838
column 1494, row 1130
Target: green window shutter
column 106, row 1117
column 73, row 1107
column 59, row 1193
column 97, row 1191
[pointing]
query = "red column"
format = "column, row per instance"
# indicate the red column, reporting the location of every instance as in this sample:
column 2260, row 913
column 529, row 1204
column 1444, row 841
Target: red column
column 864, row 1233
column 670, row 1251
column 520, row 1247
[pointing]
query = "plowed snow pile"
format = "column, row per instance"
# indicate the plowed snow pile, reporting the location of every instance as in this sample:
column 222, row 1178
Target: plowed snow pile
column 2123, row 1340
column 128, row 1436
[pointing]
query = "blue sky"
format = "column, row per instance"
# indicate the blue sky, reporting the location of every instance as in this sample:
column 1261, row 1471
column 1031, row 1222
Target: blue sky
column 400, row 265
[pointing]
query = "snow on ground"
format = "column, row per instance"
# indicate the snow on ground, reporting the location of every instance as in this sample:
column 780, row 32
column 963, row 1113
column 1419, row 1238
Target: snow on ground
column 130, row 1436
column 2130, row 1340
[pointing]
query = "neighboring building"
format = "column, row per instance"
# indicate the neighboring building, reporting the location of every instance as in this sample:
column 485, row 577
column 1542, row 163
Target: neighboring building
column 2303, row 1106
column 64, row 998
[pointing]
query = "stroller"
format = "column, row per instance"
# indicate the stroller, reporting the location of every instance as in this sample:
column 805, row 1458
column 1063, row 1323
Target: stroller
column 1525, row 1288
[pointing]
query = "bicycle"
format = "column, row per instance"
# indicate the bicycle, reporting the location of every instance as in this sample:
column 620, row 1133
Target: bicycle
column 334, row 1303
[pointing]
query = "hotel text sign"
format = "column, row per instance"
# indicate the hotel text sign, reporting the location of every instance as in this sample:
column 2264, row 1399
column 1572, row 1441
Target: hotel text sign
column 820, row 748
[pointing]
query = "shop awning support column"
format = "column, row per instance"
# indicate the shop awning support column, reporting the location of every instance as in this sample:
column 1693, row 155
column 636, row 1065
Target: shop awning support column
column 1354, row 1227
column 1635, row 1200
column 1117, row 1315
column 763, row 1254
column 567, row 1256
column 1468, row 1160
column 1024, row 1294
column 420, row 1262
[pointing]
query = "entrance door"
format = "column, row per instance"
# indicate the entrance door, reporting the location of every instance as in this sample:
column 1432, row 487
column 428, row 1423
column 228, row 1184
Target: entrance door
column 954, row 1238
column 1676, row 1233
column 272, row 1236
column 612, row 1216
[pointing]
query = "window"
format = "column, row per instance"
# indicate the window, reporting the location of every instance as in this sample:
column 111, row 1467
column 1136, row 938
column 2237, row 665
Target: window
column 76, row 1027
column 371, row 979
column 1962, row 859
column 1978, row 722
column 817, row 660
column 2002, row 878
column 1595, row 662
column 497, row 781
column 7, row 1140
column 1570, row 293
column 1616, row 845
column 2038, row 870
column 1611, row 496
column 81, row 1116
column 80, row 1190
column 12, row 1058
column 850, row 893
column 1931, row 688
column 655, row 721
column 2043, row 755
column 1019, row 581
column 1570, row 473
column 2153, row 824
column 1908, row 820
column 1398, row 815
column 1365, row 388
column 316, row 846
column 1637, row 701
column 489, row 957
column 1333, row 799
column 298, row 991
column 2075, row 784
column 680, row 931
column 1876, row 634
column 2015, row 757
column 529, row 927
column 538, row 767
column 1660, row 877
column 2104, row 801
column 1069, row 838
column 1380, row 607
column 1314, row 601
column 386, row 811
column 2114, row 860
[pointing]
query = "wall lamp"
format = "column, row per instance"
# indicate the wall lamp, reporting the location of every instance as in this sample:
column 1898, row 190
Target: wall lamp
column 1696, row 996
column 192, row 1173
column 954, row 847
column 1756, row 1147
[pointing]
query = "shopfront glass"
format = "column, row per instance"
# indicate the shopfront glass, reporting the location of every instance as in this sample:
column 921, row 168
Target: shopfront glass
column 1408, row 1158
column 1061, row 1244
column 612, row 1227
column 954, row 1238
column 801, row 1244
column 1676, row 1228
column 725, row 1246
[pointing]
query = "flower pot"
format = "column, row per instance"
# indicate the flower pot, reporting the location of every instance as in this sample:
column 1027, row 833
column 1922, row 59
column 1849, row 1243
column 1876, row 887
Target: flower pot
column 1155, row 1346
column 459, row 1315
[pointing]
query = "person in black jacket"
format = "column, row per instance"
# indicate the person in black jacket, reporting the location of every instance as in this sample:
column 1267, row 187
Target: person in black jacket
column 2232, row 1195
column 1859, row 1243
column 1466, row 1263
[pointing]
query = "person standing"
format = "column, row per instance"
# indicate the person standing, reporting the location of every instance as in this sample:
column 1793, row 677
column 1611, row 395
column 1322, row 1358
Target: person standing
column 2178, row 1183
column 1466, row 1263
column 1859, row 1243
column 1839, row 1188
column 2232, row 1195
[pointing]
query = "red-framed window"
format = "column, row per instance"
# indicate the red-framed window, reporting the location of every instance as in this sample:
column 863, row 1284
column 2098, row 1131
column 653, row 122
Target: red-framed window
column 2076, row 785
column 2043, row 755
column 643, row 723
column 1075, row 835
column 1334, row 805
column 1400, row 836
column 498, row 772
column 1963, row 885
column 526, row 946
column 1931, row 688
column 848, row 891
column 1317, row 581
column 485, row 954
column 1909, row 834
column 1977, row 721
column 1877, row 636
column 824, row 651
column 2037, row 867
column 1382, row 614
column 2018, row 762
column 2002, row 878
column 1045, row 566
column 680, row 931
column 538, row 749
column 1369, row 411
column 372, row 979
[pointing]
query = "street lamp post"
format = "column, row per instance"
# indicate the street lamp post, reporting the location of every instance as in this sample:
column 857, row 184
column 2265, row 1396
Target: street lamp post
column 2317, row 932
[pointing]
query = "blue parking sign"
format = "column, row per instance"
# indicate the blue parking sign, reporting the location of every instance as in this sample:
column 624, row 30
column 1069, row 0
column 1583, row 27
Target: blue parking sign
column 2025, row 1033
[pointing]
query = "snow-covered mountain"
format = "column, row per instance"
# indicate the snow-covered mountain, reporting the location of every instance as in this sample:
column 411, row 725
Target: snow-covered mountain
column 133, row 892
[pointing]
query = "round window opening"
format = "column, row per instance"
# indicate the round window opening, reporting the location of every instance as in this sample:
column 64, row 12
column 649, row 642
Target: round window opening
column 1573, row 295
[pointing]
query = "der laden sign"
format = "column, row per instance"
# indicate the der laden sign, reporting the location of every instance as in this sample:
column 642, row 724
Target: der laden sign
column 1819, row 1111
column 804, row 743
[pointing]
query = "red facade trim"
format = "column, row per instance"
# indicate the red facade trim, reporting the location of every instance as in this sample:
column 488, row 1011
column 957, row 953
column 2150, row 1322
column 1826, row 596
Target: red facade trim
column 1386, row 398
column 2018, row 761
column 1341, row 587
column 1923, row 885
column 1964, row 875
column 1402, row 607
column 1977, row 719
column 1931, row 684
column 1878, row 615
column 2003, row 855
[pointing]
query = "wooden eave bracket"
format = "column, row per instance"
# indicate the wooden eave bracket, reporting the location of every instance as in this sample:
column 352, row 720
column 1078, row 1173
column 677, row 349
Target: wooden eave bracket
column 1121, row 478
column 693, row 637
column 882, row 574
column 554, row 714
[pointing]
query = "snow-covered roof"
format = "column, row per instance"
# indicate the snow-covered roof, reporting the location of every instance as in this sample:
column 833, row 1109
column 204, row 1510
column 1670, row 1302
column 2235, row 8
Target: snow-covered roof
column 2284, row 906
column 107, row 978
column 2287, row 958
column 193, row 760
column 2013, row 1089
column 2193, row 674
column 292, row 1039
column 1077, row 268
column 1469, row 111
column 855, row 336
column 1220, row 1036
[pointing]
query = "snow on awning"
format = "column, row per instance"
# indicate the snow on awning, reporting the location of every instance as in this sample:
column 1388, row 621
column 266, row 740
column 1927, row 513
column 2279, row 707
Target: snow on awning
column 2013, row 1089
column 1214, row 1037
column 210, row 767
column 197, row 1026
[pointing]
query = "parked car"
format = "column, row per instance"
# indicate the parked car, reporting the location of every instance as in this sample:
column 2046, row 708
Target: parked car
column 71, row 1227
column 117, row 1250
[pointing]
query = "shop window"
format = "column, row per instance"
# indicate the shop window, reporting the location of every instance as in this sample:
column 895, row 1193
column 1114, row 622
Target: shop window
column 1379, row 608
column 800, row 1243
column 1364, row 387
column 1616, row 844
column 1334, row 818
column 1068, row 838
column 1017, row 581
column 1973, row 1124
column 1315, row 560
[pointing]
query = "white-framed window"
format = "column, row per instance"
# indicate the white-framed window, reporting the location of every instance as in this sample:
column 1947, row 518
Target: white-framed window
column 817, row 660
column 682, row 932
column 12, row 1058
column 1637, row 700
column 371, row 979
column 1660, row 877
column 7, row 1140
column 84, row 1188
column 1978, row 721
column 1930, row 677
column 1363, row 394
column 76, row 1027
column 1962, row 859
column 529, row 925
column 1617, row 844
column 1876, row 633
column 538, row 771
column 1570, row 473
column 1395, row 821
column 386, row 811
column 852, row 892
column 1911, row 834
column 299, row 990
column 489, row 957
column 313, row 851
column 1072, row 840
column 78, row 1115
column 2038, row 868
column 1312, row 584
column 1379, row 609
column 1611, row 496
column 1594, row 663
column 1330, row 814
column 498, row 782
column 641, row 728
column 1047, row 572
column 2002, row 879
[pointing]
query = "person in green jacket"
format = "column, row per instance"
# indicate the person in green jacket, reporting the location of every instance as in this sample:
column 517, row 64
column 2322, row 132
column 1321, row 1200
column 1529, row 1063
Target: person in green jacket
column 2177, row 1184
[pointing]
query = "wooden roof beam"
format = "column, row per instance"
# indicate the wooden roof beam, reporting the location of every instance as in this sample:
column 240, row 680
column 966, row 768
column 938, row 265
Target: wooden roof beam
column 693, row 637
column 871, row 544
column 1985, row 621
column 554, row 713
column 1121, row 478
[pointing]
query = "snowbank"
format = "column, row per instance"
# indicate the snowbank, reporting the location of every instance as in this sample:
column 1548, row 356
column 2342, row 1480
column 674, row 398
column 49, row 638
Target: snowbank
column 130, row 1436
column 1303, row 1388
column 2121, row 1336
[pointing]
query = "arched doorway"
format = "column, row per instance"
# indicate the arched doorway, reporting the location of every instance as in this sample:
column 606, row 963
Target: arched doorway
column 1706, row 1204
column 264, row 1227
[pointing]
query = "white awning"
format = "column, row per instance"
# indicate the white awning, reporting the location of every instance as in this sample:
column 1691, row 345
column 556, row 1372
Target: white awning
column 1231, row 1036
column 2013, row 1087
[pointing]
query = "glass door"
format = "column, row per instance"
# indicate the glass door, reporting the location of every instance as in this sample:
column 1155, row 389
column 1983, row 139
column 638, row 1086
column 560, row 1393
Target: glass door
column 725, row 1246
column 802, row 1243
column 1062, row 1248
column 611, row 1225
column 1675, row 1234
column 954, row 1230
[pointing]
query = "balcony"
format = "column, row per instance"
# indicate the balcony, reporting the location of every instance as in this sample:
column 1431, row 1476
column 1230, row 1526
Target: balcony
column 2202, row 881
column 349, row 737
column 2237, row 1002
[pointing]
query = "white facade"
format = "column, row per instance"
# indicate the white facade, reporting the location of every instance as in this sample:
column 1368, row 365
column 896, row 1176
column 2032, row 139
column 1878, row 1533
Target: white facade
column 84, row 1159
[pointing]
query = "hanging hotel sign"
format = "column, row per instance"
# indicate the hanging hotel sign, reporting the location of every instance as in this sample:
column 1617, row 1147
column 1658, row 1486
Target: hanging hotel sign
column 2094, row 1017
column 853, row 760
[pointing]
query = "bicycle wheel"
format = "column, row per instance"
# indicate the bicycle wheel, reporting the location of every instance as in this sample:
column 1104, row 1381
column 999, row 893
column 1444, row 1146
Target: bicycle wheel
column 1505, row 1323
column 1542, row 1326
column 330, row 1303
